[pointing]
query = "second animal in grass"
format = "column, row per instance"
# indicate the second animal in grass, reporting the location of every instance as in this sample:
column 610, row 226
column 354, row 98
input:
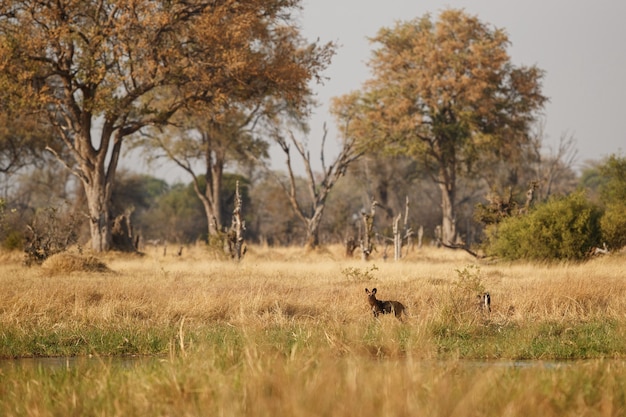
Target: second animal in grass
column 384, row 307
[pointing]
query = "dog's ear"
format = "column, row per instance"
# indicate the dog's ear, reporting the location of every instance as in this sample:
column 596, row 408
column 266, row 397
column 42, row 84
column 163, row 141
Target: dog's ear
column 373, row 290
column 367, row 291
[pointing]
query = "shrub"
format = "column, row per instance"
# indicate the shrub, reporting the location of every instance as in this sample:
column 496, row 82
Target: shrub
column 613, row 226
column 463, row 304
column 13, row 240
column 11, row 224
column 561, row 229
column 358, row 275
column 51, row 232
column 613, row 190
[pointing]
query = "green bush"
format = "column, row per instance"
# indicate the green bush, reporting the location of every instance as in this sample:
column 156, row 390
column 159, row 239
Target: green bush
column 560, row 229
column 613, row 196
column 613, row 226
column 13, row 240
column 613, row 189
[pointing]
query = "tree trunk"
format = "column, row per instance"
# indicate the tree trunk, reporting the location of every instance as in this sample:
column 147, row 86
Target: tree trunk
column 420, row 236
column 367, row 239
column 122, row 238
column 212, row 217
column 212, row 192
column 397, row 238
column 313, row 228
column 99, row 216
column 212, row 196
column 312, row 240
column 95, row 166
column 448, row 212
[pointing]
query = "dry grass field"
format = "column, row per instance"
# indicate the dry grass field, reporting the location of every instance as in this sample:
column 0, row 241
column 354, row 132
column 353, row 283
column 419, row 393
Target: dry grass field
column 286, row 332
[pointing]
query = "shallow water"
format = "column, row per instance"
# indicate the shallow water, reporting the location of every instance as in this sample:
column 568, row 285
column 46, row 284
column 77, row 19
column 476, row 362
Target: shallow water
column 132, row 362
column 72, row 362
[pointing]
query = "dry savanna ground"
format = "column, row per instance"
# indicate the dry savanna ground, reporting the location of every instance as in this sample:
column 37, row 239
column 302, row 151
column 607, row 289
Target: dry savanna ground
column 286, row 332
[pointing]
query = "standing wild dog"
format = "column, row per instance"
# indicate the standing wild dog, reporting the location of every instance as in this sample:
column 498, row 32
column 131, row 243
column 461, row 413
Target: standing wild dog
column 384, row 307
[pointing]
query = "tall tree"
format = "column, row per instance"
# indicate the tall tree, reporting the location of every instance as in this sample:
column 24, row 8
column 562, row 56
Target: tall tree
column 103, row 70
column 204, row 144
column 204, row 141
column 445, row 93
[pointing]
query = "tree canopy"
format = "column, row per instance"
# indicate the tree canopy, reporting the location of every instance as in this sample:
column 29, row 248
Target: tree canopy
column 445, row 93
column 103, row 70
column 614, row 189
column 23, row 139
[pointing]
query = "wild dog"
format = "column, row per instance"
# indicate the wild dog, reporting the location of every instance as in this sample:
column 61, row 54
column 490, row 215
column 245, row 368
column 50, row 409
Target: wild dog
column 484, row 302
column 384, row 307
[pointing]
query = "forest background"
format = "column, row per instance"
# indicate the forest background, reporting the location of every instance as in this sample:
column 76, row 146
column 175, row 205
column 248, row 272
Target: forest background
column 277, row 207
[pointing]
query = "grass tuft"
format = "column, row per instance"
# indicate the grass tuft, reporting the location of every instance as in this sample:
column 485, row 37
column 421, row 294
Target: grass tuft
column 66, row 263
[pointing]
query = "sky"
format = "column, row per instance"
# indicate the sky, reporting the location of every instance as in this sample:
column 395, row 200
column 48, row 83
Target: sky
column 581, row 46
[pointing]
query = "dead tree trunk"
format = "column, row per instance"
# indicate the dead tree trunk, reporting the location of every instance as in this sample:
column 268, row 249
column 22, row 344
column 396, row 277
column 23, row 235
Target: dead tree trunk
column 236, row 245
column 350, row 247
column 408, row 232
column 420, row 236
column 319, row 187
column 530, row 196
column 367, row 238
column 397, row 238
column 400, row 235
column 122, row 233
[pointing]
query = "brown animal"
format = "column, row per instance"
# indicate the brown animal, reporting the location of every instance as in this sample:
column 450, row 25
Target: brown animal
column 384, row 307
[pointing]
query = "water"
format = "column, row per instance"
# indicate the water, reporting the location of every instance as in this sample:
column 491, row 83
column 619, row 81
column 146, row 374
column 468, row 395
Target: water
column 73, row 362
column 133, row 362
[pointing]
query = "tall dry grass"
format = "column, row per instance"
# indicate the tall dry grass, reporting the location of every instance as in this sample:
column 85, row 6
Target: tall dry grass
column 270, row 385
column 141, row 304
column 288, row 332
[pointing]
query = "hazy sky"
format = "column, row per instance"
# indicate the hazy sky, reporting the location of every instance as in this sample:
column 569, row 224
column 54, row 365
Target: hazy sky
column 581, row 45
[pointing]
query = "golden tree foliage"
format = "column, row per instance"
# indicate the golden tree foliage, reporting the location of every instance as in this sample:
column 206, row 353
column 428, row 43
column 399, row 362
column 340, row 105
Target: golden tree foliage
column 104, row 69
column 445, row 93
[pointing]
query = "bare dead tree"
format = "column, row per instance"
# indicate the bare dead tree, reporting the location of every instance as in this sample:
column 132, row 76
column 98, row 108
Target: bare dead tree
column 318, row 188
column 397, row 238
column 556, row 169
column 236, row 246
column 420, row 236
column 530, row 197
